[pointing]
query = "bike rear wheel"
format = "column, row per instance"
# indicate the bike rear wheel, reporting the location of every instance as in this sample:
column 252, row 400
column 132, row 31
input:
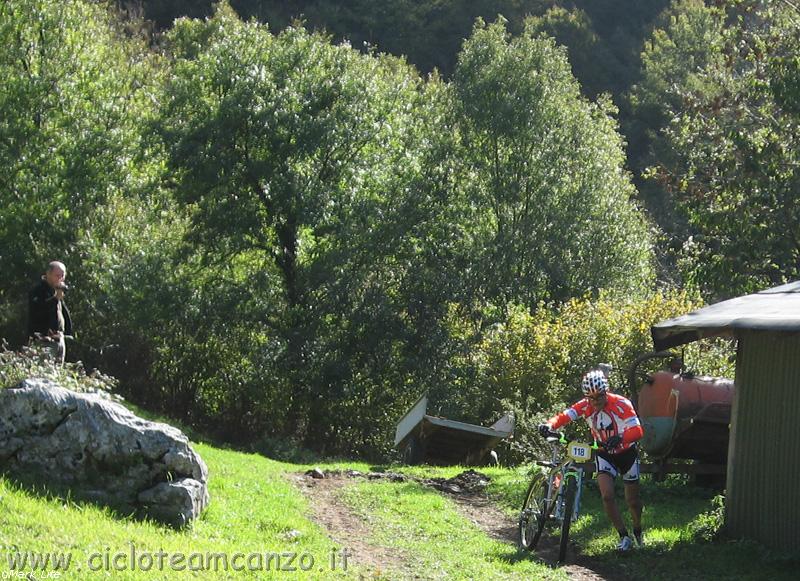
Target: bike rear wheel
column 569, row 505
column 536, row 509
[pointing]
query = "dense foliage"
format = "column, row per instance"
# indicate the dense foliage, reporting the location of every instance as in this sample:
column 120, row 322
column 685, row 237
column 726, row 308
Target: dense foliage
column 73, row 99
column 431, row 34
column 532, row 363
column 729, row 139
column 546, row 164
column 275, row 236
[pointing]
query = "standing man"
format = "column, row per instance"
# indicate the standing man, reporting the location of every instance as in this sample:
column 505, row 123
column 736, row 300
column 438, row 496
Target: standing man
column 48, row 315
column 616, row 427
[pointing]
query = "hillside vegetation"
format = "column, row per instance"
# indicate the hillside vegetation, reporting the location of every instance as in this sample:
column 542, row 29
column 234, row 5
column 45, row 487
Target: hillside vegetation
column 268, row 518
column 283, row 240
column 604, row 37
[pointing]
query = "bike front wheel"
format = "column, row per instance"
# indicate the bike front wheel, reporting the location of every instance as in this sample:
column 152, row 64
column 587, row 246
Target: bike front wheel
column 536, row 509
column 569, row 506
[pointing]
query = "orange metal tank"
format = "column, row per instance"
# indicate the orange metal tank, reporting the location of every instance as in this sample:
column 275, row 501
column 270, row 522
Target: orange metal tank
column 685, row 416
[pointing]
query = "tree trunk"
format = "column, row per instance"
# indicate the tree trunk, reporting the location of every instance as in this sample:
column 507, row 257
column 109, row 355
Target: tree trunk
column 294, row 326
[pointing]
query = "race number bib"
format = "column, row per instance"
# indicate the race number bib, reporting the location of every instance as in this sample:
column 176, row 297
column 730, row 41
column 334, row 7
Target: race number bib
column 579, row 451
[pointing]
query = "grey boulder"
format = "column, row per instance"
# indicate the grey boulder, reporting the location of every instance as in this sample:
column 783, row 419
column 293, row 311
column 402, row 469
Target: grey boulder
column 101, row 451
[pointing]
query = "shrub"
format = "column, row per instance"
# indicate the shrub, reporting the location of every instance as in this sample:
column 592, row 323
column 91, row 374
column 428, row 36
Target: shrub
column 709, row 525
column 532, row 362
column 32, row 361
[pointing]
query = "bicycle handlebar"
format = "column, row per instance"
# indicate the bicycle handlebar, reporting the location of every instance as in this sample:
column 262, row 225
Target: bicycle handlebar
column 554, row 437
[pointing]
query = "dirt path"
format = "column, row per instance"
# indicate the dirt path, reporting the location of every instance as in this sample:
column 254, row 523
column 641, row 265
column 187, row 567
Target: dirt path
column 480, row 510
column 348, row 529
column 352, row 531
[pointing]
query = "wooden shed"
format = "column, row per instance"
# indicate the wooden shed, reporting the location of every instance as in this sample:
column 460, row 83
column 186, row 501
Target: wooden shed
column 426, row 438
column 762, row 499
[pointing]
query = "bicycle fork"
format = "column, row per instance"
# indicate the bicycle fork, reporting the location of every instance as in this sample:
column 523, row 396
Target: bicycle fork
column 559, row 483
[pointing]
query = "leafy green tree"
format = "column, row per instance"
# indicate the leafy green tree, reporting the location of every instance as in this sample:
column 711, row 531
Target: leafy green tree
column 282, row 144
column 687, row 38
column 546, row 169
column 400, row 260
column 593, row 64
column 732, row 162
column 73, row 96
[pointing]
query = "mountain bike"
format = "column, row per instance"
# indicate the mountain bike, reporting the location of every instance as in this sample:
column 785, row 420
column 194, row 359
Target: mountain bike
column 556, row 494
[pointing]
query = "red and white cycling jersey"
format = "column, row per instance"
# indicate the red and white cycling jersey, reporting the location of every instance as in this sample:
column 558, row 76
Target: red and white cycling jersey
column 617, row 418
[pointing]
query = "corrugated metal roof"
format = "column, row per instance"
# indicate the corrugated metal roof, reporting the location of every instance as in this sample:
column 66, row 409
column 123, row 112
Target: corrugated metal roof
column 775, row 309
column 461, row 426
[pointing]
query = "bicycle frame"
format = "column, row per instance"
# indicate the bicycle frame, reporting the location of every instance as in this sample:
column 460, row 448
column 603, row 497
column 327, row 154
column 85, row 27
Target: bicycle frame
column 559, row 498
column 562, row 468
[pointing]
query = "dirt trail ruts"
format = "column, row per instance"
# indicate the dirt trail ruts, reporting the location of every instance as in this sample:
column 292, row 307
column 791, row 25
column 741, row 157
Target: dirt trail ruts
column 351, row 531
column 487, row 516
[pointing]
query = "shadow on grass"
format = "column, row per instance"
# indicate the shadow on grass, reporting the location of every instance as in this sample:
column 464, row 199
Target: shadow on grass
column 576, row 564
column 686, row 559
column 671, row 550
column 721, row 559
column 80, row 499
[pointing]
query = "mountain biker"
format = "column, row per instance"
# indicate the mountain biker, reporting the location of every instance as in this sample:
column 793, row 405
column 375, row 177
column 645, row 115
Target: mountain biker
column 614, row 424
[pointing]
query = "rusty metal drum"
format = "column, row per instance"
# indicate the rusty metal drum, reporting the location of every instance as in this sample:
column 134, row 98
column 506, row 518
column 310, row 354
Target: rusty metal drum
column 685, row 416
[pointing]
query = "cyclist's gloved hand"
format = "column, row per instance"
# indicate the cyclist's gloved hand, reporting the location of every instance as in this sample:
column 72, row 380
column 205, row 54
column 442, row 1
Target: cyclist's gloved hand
column 613, row 442
column 545, row 430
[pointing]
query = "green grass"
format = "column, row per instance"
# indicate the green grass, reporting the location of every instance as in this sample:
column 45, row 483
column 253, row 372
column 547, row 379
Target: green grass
column 442, row 544
column 256, row 509
column 671, row 551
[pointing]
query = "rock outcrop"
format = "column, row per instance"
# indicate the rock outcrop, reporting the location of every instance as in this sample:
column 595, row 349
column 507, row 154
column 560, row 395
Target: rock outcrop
column 101, row 451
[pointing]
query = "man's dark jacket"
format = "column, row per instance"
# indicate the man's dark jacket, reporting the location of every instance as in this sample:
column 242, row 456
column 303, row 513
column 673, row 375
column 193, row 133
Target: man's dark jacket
column 43, row 311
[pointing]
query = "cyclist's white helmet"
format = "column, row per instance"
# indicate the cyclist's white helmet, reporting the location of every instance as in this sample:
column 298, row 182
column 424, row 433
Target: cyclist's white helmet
column 594, row 383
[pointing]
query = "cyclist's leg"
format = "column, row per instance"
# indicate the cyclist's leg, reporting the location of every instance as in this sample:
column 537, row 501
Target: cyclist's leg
column 634, row 503
column 632, row 497
column 606, row 484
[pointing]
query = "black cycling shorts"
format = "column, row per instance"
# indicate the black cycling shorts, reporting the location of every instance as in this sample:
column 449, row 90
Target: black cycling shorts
column 625, row 463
